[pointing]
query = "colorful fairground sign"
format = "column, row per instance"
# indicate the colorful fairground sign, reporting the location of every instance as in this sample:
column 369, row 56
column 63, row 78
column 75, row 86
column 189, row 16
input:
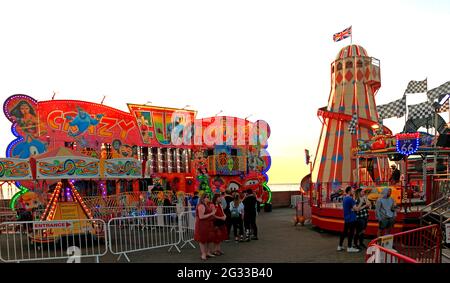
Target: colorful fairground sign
column 168, row 145
column 407, row 144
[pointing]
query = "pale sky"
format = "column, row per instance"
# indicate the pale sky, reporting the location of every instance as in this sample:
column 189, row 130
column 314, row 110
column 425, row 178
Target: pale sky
column 268, row 59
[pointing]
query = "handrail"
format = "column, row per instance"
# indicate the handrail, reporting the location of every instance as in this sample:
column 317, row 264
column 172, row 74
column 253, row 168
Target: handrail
column 392, row 253
column 436, row 201
column 422, row 244
column 412, row 231
column 437, row 208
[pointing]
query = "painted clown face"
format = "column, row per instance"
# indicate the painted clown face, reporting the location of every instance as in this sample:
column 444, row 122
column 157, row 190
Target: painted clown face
column 126, row 151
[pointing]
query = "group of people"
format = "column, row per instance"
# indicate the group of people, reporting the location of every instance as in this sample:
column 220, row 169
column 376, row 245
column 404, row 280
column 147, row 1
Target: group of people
column 356, row 215
column 215, row 218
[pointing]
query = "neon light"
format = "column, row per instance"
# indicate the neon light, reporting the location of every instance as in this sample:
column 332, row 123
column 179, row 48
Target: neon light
column 12, row 203
column 408, row 143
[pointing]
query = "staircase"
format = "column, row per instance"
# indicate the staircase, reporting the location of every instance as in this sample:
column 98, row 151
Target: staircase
column 438, row 212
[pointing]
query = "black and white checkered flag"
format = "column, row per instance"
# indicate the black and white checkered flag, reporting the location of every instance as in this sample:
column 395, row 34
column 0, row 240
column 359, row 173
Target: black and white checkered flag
column 393, row 109
column 444, row 107
column 352, row 124
column 417, row 86
column 419, row 111
column 439, row 92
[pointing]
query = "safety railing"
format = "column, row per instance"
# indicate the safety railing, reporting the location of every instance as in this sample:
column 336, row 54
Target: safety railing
column 140, row 233
column 186, row 228
column 106, row 213
column 303, row 211
column 51, row 240
column 379, row 254
column 131, row 199
column 421, row 245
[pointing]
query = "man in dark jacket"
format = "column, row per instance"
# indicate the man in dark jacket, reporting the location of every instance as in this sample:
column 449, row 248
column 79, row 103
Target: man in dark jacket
column 228, row 199
column 250, row 204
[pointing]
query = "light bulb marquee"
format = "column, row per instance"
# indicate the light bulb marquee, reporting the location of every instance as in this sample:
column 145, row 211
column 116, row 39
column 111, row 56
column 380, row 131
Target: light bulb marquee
column 50, row 210
column 408, row 143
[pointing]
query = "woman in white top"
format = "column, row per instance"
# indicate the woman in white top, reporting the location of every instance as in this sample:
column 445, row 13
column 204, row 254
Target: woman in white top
column 237, row 212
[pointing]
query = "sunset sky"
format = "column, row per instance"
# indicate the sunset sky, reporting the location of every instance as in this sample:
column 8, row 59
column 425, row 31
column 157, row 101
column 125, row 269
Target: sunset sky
column 267, row 59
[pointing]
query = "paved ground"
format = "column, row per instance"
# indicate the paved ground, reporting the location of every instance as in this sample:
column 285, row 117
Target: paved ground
column 279, row 242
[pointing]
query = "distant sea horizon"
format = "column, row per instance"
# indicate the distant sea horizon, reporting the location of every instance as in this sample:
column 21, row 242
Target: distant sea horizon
column 284, row 187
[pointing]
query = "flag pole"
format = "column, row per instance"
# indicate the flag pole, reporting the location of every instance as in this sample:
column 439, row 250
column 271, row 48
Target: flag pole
column 406, row 107
column 355, row 99
column 351, row 36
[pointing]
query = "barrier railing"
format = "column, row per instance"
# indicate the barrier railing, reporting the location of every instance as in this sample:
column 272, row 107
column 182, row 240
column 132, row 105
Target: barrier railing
column 106, row 213
column 139, row 233
column 129, row 199
column 420, row 245
column 186, row 228
column 51, row 240
column 303, row 208
column 379, row 254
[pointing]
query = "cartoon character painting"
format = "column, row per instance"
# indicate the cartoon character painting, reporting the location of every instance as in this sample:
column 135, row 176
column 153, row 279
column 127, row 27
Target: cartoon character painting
column 124, row 150
column 28, row 148
column 82, row 122
column 30, row 200
column 144, row 122
column 218, row 184
column 200, row 162
column 26, row 118
column 203, row 183
column 255, row 163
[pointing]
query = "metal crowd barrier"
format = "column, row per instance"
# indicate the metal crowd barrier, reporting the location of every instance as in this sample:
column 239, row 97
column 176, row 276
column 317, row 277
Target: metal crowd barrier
column 139, row 233
column 421, row 245
column 106, row 213
column 187, row 227
column 379, row 254
column 50, row 240
column 303, row 208
column 147, row 228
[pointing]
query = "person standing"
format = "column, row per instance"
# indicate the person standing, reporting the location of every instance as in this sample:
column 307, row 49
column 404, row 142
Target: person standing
column 250, row 204
column 362, row 217
column 349, row 207
column 203, row 230
column 395, row 177
column 220, row 229
column 194, row 200
column 236, row 214
column 228, row 199
column 385, row 212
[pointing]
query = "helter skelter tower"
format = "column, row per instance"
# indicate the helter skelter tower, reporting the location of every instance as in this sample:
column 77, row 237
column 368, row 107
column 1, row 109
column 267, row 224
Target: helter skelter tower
column 355, row 79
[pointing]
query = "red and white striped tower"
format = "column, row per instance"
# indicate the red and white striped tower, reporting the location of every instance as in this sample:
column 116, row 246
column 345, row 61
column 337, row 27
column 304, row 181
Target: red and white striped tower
column 355, row 79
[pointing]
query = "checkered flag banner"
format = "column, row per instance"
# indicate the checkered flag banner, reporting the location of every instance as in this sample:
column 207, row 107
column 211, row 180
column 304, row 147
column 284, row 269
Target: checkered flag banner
column 444, row 107
column 417, row 86
column 393, row 109
column 418, row 111
column 352, row 124
column 439, row 92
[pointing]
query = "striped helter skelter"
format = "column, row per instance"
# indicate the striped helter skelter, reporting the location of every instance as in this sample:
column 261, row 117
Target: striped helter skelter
column 354, row 81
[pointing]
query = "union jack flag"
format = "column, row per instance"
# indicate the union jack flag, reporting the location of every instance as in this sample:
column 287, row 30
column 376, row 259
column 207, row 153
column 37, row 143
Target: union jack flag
column 343, row 34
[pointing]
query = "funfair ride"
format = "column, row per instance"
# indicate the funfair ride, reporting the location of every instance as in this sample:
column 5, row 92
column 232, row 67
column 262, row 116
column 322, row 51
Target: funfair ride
column 355, row 149
column 109, row 152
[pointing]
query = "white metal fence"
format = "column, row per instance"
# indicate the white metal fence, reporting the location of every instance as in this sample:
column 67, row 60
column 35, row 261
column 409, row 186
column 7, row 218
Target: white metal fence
column 139, row 233
column 50, row 240
column 187, row 227
column 128, row 230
